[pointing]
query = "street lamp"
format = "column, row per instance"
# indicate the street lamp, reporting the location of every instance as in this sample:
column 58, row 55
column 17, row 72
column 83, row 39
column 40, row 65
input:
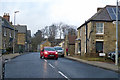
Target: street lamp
column 116, row 57
column 14, row 32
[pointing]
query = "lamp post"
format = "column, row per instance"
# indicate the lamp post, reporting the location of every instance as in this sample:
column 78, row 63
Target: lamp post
column 116, row 57
column 14, row 32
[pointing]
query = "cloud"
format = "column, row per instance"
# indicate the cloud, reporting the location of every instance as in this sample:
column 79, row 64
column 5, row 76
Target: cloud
column 37, row 14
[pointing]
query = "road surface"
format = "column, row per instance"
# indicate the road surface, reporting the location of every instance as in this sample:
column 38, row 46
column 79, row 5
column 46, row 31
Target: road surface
column 31, row 66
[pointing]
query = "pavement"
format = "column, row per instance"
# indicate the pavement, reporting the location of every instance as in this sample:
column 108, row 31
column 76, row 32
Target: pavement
column 104, row 65
column 10, row 56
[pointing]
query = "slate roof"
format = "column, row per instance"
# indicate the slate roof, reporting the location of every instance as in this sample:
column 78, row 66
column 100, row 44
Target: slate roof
column 106, row 14
column 6, row 24
column 21, row 28
column 43, row 42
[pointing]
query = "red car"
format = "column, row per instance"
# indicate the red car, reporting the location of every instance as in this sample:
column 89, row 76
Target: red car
column 48, row 52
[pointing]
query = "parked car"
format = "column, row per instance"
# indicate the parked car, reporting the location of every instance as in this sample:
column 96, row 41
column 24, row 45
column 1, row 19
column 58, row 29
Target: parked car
column 111, row 55
column 60, row 51
column 48, row 52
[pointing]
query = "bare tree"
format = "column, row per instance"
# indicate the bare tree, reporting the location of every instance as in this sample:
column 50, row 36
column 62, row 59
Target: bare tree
column 57, row 30
column 52, row 31
column 43, row 32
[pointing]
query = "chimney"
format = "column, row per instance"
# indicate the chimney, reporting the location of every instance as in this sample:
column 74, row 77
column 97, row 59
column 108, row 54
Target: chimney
column 98, row 9
column 6, row 16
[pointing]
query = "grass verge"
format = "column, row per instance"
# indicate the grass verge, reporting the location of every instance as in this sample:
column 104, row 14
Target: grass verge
column 101, row 59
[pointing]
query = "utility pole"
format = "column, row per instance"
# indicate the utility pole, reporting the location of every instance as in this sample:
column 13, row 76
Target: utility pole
column 14, row 32
column 116, row 57
column 1, row 60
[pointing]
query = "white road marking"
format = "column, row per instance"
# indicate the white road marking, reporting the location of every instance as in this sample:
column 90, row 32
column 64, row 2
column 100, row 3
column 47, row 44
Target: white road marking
column 51, row 65
column 45, row 60
column 63, row 75
column 6, row 61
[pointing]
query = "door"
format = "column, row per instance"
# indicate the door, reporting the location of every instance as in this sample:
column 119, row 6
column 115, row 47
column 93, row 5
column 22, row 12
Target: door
column 99, row 46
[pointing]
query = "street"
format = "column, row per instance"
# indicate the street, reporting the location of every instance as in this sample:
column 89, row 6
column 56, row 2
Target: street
column 31, row 66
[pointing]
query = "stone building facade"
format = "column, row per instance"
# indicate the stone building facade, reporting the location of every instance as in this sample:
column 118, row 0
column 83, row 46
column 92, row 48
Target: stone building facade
column 98, row 34
column 22, row 37
column 69, row 44
column 45, row 43
column 7, row 32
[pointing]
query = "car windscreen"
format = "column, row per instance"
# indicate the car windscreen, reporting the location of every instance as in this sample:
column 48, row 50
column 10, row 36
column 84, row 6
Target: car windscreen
column 49, row 49
column 58, row 48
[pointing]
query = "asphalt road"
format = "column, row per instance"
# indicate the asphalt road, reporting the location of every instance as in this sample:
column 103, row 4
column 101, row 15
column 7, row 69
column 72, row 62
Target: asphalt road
column 31, row 66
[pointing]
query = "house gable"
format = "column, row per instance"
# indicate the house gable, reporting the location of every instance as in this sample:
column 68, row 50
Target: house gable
column 107, row 14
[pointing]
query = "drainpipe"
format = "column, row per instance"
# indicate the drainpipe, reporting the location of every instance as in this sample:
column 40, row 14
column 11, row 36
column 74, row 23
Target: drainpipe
column 116, row 57
column 86, row 36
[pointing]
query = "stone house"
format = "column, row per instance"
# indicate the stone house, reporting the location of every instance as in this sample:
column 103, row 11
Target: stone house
column 55, row 42
column 98, row 34
column 45, row 43
column 29, row 45
column 69, row 44
column 22, row 37
column 61, row 44
column 6, row 34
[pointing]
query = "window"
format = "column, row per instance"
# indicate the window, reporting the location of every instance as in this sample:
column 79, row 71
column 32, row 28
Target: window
column 5, row 33
column 79, row 47
column 10, row 33
column 99, row 28
column 4, row 45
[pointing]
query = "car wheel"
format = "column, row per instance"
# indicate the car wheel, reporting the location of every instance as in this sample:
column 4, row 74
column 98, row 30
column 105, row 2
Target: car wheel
column 62, row 56
column 41, row 57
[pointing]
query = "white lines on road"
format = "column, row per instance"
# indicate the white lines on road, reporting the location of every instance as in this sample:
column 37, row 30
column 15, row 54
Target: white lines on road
column 58, row 71
column 7, row 60
column 45, row 60
column 51, row 65
column 63, row 75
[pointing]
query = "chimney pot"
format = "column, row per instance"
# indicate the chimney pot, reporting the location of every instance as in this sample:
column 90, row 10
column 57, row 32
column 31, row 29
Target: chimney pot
column 98, row 9
column 6, row 16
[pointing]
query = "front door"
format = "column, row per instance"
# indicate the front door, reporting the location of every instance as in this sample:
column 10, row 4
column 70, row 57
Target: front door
column 99, row 47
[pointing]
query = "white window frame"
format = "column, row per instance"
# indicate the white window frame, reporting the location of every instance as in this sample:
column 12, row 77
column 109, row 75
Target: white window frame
column 99, row 27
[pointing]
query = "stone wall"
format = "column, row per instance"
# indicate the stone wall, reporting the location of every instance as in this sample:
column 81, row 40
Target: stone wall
column 108, row 38
column 71, row 49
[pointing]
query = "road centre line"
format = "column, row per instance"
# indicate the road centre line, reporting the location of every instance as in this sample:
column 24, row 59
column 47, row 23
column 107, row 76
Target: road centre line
column 45, row 60
column 63, row 75
column 51, row 65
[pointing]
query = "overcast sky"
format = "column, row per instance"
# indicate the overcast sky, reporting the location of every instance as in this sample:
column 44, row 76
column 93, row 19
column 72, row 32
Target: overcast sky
column 37, row 14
